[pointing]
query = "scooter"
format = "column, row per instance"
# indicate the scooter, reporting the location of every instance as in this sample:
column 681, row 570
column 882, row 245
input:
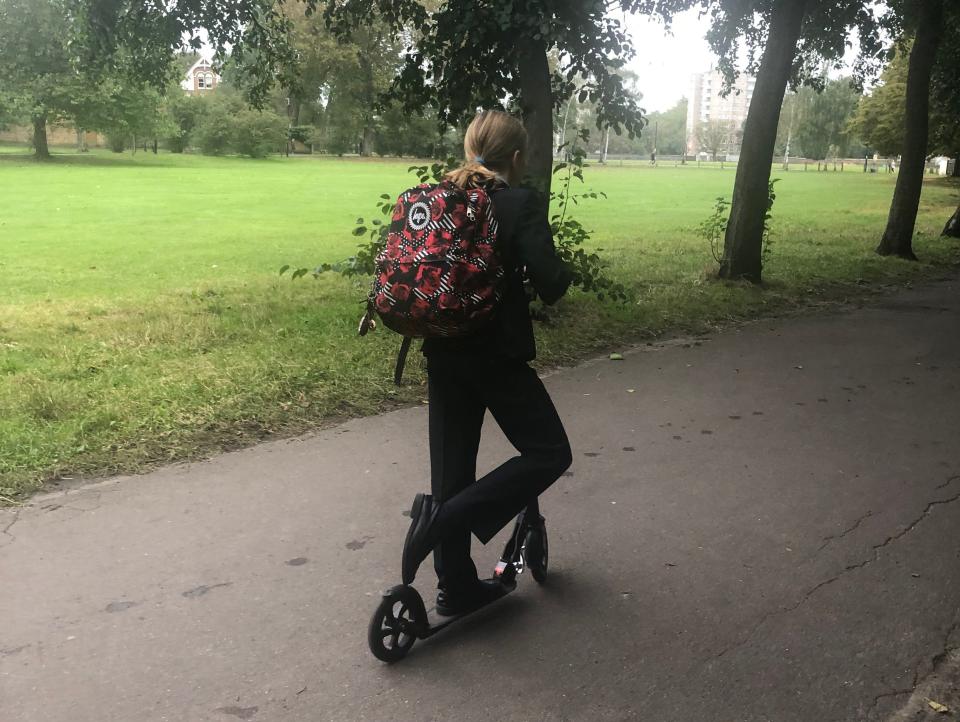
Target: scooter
column 402, row 618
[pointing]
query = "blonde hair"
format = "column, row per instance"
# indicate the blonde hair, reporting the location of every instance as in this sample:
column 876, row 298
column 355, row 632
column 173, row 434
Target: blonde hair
column 488, row 147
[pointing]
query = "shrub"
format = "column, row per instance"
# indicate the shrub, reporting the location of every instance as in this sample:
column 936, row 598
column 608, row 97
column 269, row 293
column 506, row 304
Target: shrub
column 117, row 142
column 257, row 133
column 214, row 130
column 184, row 112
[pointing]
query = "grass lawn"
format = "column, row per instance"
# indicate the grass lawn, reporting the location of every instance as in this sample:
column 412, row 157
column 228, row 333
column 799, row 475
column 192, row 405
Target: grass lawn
column 142, row 318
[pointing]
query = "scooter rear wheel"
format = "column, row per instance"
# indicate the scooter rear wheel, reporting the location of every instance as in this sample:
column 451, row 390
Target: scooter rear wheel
column 392, row 630
column 536, row 553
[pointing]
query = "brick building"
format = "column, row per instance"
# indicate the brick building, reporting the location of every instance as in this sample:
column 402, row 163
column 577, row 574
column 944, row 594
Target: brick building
column 200, row 78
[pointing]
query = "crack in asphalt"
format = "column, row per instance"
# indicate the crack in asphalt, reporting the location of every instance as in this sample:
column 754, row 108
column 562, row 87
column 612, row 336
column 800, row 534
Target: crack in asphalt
column 894, row 693
column 848, row 568
column 858, row 522
column 918, row 680
column 8, row 527
column 948, row 482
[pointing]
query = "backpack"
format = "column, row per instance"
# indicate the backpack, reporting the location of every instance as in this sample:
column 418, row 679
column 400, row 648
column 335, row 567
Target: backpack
column 440, row 274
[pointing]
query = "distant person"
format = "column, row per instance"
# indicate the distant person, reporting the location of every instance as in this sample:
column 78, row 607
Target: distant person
column 489, row 371
column 653, row 157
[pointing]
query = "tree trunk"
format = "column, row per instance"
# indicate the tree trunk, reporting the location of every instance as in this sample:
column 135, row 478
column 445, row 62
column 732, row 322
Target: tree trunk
column 366, row 144
column 743, row 243
column 154, row 146
column 41, row 150
column 897, row 239
column 536, row 104
column 952, row 228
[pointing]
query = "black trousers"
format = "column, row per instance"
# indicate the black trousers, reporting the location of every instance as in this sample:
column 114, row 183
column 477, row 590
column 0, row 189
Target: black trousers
column 461, row 388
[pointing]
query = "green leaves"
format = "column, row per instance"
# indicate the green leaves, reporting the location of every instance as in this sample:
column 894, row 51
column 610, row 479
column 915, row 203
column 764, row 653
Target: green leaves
column 714, row 228
column 570, row 235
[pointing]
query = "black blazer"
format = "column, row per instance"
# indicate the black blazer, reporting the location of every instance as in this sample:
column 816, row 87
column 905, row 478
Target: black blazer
column 525, row 245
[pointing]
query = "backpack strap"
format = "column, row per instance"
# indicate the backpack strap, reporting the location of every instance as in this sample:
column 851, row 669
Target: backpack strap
column 402, row 359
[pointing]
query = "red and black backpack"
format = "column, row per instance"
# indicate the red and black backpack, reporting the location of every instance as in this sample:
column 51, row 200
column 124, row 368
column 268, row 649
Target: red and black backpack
column 440, row 274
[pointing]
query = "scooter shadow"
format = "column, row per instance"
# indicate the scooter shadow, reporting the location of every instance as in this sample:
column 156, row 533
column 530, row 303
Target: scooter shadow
column 512, row 620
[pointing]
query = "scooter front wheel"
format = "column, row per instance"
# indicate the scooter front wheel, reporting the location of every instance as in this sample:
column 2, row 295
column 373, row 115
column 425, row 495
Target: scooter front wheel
column 393, row 628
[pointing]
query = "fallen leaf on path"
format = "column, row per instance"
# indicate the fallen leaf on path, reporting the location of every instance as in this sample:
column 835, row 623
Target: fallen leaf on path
column 937, row 707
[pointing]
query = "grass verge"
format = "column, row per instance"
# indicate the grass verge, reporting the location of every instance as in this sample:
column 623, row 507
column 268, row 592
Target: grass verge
column 142, row 320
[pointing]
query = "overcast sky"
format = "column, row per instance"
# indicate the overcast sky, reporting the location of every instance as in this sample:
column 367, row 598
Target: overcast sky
column 666, row 62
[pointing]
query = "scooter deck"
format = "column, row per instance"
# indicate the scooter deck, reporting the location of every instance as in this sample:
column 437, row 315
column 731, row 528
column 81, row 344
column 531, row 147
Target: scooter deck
column 436, row 622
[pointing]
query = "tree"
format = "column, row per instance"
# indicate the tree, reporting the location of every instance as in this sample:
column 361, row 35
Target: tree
column 36, row 70
column 897, row 239
column 497, row 53
column 945, row 94
column 881, row 119
column 335, row 83
column 785, row 42
column 714, row 136
column 458, row 55
column 574, row 115
column 945, row 110
column 670, row 136
column 823, row 118
column 879, row 116
column 123, row 110
column 184, row 113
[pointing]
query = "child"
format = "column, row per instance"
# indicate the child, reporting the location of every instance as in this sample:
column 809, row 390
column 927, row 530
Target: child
column 489, row 371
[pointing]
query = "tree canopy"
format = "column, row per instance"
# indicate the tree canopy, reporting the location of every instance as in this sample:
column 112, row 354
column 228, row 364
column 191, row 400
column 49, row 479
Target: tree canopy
column 457, row 55
column 819, row 122
column 37, row 71
column 879, row 119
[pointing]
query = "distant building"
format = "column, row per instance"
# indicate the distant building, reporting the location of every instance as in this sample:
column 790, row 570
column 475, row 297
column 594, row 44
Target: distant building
column 200, row 78
column 707, row 105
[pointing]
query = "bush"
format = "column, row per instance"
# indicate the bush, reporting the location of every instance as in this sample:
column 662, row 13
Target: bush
column 117, row 142
column 257, row 133
column 184, row 112
column 213, row 132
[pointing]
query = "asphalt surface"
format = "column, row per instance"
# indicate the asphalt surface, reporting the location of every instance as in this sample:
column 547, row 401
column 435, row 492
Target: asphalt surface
column 762, row 525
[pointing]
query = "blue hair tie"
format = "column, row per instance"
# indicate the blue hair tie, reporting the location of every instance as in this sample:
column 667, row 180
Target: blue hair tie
column 478, row 159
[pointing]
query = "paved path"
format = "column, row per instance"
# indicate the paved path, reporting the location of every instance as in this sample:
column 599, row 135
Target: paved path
column 763, row 525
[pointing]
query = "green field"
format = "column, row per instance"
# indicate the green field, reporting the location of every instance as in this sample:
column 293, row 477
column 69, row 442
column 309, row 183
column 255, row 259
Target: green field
column 142, row 318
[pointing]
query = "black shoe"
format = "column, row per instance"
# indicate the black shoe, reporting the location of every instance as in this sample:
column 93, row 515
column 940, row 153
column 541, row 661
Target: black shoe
column 461, row 601
column 421, row 537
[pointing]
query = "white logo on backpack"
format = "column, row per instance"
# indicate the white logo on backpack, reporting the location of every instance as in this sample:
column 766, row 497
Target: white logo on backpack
column 419, row 216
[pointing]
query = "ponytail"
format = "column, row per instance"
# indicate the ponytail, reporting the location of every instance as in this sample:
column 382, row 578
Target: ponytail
column 489, row 145
column 471, row 174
